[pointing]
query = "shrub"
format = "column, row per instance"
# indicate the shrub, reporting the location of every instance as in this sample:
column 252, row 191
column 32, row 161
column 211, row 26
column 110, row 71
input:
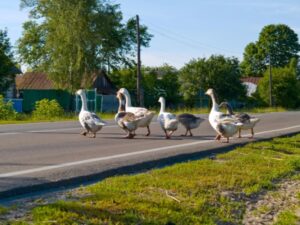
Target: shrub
column 6, row 110
column 47, row 109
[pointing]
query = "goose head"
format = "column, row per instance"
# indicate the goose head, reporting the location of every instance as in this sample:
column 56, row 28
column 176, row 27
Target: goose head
column 227, row 106
column 161, row 99
column 224, row 104
column 80, row 92
column 123, row 91
column 210, row 92
column 119, row 95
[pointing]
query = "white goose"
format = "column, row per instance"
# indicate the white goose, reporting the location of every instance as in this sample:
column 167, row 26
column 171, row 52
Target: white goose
column 138, row 111
column 88, row 120
column 224, row 124
column 167, row 121
column 126, row 120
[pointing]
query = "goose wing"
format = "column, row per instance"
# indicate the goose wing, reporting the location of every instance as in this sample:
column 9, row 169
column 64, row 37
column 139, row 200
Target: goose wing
column 91, row 119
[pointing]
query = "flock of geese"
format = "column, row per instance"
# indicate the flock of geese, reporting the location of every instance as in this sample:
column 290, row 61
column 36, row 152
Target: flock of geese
column 130, row 118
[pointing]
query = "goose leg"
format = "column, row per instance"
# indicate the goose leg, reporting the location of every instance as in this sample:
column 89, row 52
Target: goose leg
column 167, row 136
column 148, row 131
column 218, row 137
column 185, row 133
column 131, row 135
column 239, row 136
column 171, row 132
column 84, row 133
column 191, row 133
column 252, row 133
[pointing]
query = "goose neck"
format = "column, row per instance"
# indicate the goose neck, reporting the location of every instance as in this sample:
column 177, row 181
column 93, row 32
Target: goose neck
column 83, row 102
column 128, row 100
column 214, row 102
column 120, row 108
column 162, row 106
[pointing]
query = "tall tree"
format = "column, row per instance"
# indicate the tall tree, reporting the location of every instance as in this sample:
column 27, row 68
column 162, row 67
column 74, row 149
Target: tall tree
column 7, row 65
column 217, row 72
column 278, row 43
column 70, row 40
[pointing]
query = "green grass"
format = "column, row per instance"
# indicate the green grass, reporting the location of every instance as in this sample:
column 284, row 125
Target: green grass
column 207, row 110
column 197, row 192
column 27, row 118
column 3, row 210
column 287, row 218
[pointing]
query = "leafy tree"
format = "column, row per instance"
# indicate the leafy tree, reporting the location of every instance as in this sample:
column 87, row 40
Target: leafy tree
column 156, row 82
column 217, row 72
column 279, row 42
column 285, row 86
column 161, row 81
column 72, row 39
column 7, row 73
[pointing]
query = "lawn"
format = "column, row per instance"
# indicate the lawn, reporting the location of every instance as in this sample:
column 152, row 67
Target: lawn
column 207, row 191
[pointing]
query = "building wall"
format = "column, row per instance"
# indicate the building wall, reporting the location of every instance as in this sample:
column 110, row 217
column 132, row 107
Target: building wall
column 31, row 96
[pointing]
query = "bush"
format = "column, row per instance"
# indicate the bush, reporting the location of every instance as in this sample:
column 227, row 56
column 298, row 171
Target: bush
column 47, row 109
column 6, row 110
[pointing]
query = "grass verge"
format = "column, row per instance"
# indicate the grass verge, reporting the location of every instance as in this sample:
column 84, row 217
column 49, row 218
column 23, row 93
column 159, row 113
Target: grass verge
column 198, row 192
column 27, row 118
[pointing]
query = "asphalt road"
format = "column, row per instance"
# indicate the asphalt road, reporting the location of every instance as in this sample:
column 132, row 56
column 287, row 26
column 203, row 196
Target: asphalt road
column 41, row 155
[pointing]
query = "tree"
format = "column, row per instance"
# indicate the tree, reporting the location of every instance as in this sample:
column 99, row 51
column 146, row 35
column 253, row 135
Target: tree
column 7, row 65
column 217, row 72
column 161, row 81
column 285, row 86
column 156, row 82
column 70, row 40
column 276, row 42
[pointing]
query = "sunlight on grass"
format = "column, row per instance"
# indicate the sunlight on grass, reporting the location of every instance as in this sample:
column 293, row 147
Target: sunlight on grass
column 287, row 218
column 198, row 192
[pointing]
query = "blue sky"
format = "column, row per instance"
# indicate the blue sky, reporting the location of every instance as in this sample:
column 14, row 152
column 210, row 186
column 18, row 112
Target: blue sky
column 188, row 29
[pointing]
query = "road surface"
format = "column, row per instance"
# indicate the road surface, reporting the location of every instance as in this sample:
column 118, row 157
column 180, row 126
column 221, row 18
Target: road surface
column 41, row 155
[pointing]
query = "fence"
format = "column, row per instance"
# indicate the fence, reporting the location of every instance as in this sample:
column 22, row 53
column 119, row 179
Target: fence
column 98, row 103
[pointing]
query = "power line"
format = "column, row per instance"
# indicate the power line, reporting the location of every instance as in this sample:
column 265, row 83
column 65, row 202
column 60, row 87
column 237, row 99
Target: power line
column 185, row 38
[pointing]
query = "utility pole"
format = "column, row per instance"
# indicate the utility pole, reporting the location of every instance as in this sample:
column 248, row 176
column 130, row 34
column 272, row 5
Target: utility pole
column 270, row 81
column 139, row 76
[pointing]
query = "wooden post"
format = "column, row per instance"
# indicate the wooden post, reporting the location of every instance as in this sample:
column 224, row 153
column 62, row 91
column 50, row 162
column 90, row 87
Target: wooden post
column 139, row 76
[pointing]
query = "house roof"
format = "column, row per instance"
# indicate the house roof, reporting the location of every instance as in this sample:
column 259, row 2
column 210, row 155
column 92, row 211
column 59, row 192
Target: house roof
column 40, row 81
column 253, row 80
column 34, row 80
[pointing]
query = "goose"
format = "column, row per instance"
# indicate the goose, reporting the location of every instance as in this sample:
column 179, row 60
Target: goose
column 224, row 124
column 227, row 129
column 189, row 121
column 88, row 120
column 247, row 121
column 138, row 111
column 167, row 121
column 127, row 120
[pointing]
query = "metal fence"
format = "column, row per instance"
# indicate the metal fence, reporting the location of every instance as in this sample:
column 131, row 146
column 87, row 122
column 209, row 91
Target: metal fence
column 98, row 103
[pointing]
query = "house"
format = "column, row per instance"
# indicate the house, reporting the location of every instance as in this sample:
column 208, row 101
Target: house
column 34, row 86
column 251, row 84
